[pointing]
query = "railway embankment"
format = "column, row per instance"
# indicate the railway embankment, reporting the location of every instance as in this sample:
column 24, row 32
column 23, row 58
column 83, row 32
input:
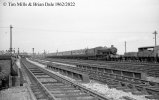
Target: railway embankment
column 9, row 72
column 4, row 73
column 13, row 81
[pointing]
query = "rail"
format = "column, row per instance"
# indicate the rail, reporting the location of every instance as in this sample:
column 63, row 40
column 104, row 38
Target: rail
column 44, row 89
column 75, row 84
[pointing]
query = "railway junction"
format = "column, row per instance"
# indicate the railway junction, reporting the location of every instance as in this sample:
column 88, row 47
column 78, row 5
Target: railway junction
column 93, row 50
column 66, row 79
column 97, row 73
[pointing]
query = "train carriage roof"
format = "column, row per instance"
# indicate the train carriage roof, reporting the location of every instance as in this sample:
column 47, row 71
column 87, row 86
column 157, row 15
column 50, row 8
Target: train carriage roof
column 147, row 47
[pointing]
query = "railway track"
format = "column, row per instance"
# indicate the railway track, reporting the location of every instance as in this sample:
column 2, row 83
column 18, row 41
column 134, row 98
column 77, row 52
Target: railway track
column 107, row 62
column 151, row 69
column 127, row 84
column 128, row 64
column 48, row 86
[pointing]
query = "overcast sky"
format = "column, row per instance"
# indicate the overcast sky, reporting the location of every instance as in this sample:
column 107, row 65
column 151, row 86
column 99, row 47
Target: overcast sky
column 90, row 23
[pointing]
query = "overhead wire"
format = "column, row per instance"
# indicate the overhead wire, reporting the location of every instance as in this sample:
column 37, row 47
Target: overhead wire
column 75, row 31
column 50, row 30
column 4, row 27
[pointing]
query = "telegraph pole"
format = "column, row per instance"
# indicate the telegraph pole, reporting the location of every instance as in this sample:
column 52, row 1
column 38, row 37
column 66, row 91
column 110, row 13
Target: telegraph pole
column 33, row 51
column 14, row 50
column 155, row 33
column 18, row 51
column 11, row 39
column 56, row 51
column 125, row 46
column 44, row 53
column 12, row 73
column 155, row 54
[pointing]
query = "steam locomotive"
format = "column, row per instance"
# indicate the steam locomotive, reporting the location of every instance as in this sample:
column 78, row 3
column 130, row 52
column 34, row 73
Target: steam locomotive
column 92, row 53
column 144, row 54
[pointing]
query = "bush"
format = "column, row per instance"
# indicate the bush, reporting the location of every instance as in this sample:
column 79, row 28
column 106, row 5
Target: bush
column 4, row 73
